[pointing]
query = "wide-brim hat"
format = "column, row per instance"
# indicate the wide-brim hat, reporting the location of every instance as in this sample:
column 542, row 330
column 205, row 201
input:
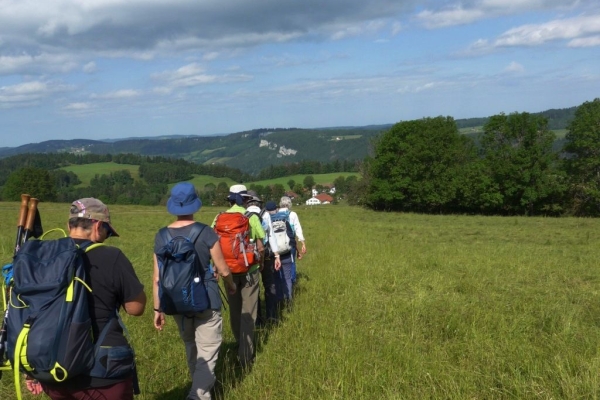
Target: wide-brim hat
column 183, row 200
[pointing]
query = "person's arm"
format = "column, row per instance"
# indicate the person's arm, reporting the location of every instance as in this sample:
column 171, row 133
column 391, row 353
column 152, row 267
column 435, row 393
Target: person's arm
column 298, row 230
column 159, row 317
column 222, row 268
column 136, row 306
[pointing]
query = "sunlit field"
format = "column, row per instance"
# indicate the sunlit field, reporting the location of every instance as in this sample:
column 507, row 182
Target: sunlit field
column 394, row 306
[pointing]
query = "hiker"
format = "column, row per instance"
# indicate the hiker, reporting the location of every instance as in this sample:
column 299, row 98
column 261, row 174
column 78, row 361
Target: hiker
column 272, row 262
column 201, row 332
column 285, row 205
column 286, row 243
column 243, row 303
column 114, row 284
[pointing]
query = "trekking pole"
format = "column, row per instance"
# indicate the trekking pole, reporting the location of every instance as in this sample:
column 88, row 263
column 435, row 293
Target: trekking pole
column 23, row 211
column 22, row 220
column 31, row 213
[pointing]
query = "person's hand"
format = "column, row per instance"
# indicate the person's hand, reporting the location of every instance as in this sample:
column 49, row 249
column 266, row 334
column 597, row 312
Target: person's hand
column 159, row 320
column 303, row 248
column 33, row 386
column 277, row 264
column 231, row 289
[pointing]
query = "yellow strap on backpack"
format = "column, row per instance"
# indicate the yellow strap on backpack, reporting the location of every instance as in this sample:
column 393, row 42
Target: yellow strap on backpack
column 20, row 354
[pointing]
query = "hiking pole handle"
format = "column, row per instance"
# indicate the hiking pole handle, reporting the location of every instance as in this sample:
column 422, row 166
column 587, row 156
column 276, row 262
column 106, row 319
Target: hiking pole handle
column 33, row 202
column 22, row 221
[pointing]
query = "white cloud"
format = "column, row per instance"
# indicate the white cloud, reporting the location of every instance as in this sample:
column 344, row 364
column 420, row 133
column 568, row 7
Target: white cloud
column 77, row 106
column 90, row 67
column 514, row 67
column 29, row 92
column 590, row 41
column 471, row 11
column 560, row 29
column 450, row 17
column 118, row 94
column 193, row 75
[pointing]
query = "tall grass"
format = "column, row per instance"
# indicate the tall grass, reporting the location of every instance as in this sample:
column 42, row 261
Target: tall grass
column 396, row 306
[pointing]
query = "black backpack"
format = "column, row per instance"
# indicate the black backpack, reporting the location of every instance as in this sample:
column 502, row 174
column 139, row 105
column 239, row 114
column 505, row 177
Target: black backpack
column 181, row 288
column 49, row 326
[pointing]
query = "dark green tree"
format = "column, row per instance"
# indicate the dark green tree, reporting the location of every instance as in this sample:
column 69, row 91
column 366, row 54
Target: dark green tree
column 36, row 182
column 417, row 165
column 582, row 161
column 291, row 183
column 309, row 182
column 521, row 163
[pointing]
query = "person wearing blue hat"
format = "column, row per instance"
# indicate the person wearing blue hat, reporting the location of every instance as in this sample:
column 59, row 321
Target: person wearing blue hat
column 201, row 354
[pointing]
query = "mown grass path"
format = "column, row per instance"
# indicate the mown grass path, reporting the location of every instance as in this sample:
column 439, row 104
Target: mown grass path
column 396, row 306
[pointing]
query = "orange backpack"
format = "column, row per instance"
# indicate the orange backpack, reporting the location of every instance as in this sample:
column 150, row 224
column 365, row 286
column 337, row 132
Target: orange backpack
column 234, row 237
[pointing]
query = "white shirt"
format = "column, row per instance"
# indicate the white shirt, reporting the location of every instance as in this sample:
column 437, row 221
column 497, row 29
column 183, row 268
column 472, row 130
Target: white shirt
column 295, row 222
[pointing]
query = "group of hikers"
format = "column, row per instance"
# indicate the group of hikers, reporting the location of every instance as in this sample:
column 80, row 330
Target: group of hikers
column 245, row 244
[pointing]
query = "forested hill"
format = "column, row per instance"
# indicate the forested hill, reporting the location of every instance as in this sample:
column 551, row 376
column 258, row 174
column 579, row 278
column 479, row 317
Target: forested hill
column 254, row 150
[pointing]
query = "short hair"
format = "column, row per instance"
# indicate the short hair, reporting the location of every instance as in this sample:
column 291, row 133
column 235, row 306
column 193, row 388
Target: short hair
column 285, row 202
column 253, row 203
column 84, row 223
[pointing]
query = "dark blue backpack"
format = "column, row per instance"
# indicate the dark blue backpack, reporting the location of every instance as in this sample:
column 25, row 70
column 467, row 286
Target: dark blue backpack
column 181, row 287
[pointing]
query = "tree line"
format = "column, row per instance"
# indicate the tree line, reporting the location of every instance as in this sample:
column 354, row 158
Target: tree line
column 511, row 169
column 40, row 174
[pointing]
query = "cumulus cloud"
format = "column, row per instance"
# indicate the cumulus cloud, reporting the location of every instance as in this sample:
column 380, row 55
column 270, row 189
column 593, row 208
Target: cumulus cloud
column 77, row 106
column 117, row 94
column 193, row 75
column 90, row 67
column 467, row 12
column 28, row 92
column 514, row 67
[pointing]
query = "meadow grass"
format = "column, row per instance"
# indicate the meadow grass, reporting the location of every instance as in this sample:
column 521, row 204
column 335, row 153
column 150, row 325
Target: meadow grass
column 395, row 306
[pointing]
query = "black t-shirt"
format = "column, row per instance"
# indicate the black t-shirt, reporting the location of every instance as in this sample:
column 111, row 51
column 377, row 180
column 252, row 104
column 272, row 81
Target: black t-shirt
column 113, row 282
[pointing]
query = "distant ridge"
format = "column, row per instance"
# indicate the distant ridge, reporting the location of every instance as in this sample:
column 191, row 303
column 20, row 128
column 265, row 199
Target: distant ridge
column 253, row 150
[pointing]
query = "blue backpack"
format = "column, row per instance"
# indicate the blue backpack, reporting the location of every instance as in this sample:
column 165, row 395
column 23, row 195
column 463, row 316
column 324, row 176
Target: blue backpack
column 49, row 325
column 181, row 287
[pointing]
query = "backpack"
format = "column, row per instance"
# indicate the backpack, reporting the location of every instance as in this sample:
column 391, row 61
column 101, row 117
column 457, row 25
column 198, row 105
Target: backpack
column 282, row 231
column 49, row 325
column 267, row 249
column 233, row 229
column 181, row 288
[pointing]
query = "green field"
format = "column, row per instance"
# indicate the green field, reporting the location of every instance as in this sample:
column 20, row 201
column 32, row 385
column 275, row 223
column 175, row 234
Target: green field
column 396, row 306
column 86, row 172
column 322, row 179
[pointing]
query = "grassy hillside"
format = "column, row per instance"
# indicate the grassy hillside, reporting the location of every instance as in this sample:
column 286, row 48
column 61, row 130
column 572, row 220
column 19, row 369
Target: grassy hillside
column 405, row 307
column 86, row 172
column 321, row 179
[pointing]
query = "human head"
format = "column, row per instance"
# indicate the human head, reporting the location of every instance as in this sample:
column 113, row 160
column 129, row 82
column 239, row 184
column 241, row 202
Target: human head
column 238, row 194
column 183, row 200
column 254, row 199
column 271, row 206
column 285, row 202
column 93, row 210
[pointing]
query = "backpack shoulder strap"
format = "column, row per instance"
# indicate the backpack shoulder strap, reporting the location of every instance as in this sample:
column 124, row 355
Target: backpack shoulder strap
column 196, row 230
column 165, row 235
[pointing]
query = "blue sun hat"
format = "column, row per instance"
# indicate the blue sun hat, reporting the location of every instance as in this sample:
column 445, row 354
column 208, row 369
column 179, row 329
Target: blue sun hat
column 183, row 200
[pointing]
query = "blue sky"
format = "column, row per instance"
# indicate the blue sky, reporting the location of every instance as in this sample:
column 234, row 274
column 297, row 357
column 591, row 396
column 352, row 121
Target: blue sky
column 100, row 69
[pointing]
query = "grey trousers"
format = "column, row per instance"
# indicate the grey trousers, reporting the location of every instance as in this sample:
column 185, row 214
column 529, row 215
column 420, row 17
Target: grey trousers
column 243, row 306
column 202, row 336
